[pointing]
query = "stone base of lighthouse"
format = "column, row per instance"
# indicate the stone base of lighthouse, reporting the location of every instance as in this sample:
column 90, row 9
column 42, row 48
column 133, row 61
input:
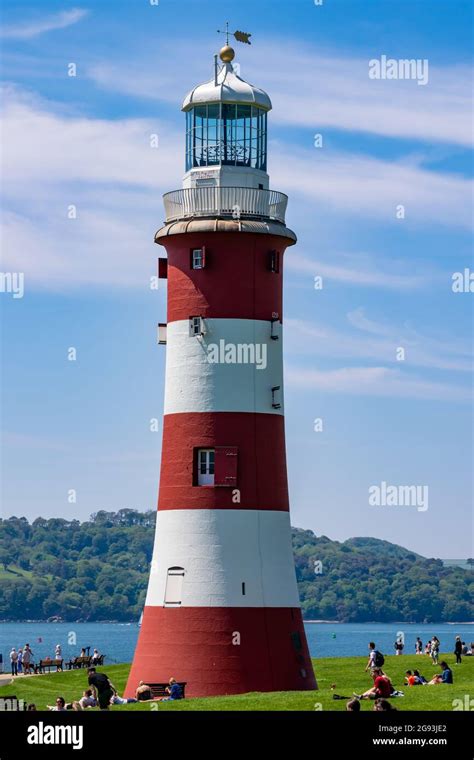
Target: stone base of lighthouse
column 221, row 651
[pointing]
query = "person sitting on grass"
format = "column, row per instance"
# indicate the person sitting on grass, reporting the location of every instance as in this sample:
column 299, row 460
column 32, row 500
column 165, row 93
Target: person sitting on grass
column 60, row 705
column 116, row 700
column 382, row 686
column 421, row 679
column 174, row 690
column 102, row 689
column 143, row 692
column 87, row 700
column 446, row 676
column 383, row 705
column 410, row 678
column 353, row 705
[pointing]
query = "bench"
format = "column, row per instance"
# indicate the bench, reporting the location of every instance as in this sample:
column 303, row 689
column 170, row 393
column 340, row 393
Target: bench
column 49, row 663
column 79, row 662
column 159, row 689
column 99, row 661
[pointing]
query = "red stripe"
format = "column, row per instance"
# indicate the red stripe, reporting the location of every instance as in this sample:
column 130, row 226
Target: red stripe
column 194, row 644
column 236, row 283
column 261, row 467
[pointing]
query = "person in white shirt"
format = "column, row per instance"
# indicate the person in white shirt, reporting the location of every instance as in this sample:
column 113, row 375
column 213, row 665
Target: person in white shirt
column 14, row 661
column 87, row 699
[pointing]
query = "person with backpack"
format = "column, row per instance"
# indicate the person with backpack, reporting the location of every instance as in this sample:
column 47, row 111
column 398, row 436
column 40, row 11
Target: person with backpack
column 376, row 658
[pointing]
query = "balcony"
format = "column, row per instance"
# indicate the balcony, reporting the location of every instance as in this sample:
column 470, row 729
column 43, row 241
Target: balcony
column 227, row 202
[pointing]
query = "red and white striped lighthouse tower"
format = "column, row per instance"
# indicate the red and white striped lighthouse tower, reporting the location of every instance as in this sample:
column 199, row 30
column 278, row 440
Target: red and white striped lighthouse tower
column 222, row 611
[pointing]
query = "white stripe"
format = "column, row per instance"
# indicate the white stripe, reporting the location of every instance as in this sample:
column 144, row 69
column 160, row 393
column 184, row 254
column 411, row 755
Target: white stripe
column 195, row 383
column 221, row 549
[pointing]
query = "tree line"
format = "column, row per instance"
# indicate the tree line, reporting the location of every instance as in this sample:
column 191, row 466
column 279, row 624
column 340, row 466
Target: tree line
column 98, row 570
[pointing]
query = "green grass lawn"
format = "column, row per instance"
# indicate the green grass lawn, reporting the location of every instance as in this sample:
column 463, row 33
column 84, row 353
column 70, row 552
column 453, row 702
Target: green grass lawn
column 346, row 673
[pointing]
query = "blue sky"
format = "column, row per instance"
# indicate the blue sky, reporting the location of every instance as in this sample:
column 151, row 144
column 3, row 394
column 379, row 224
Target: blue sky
column 85, row 140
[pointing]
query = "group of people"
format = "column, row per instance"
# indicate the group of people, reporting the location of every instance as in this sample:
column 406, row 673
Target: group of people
column 383, row 688
column 102, row 693
column 21, row 661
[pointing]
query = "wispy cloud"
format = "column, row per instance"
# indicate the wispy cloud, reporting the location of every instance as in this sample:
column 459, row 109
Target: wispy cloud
column 322, row 91
column 319, row 91
column 373, row 381
column 376, row 342
column 361, row 270
column 372, row 187
column 107, row 170
column 29, row 29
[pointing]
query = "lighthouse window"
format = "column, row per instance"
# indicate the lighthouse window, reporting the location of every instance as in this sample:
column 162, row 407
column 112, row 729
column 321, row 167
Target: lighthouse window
column 226, row 133
column 205, row 468
column 196, row 326
column 198, row 258
column 274, row 261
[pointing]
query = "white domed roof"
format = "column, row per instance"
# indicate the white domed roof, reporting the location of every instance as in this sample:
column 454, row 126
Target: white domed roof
column 229, row 88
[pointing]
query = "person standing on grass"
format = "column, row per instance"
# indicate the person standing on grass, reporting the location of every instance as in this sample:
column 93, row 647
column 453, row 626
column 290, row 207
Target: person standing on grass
column 418, row 646
column 435, row 642
column 458, row 650
column 14, row 661
column 399, row 645
column 20, row 660
column 27, row 655
column 376, row 658
column 102, row 688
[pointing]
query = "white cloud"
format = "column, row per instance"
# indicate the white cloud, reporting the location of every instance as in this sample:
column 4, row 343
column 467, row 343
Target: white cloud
column 355, row 270
column 29, row 29
column 308, row 339
column 316, row 91
column 324, row 91
column 372, row 187
column 373, row 381
column 107, row 169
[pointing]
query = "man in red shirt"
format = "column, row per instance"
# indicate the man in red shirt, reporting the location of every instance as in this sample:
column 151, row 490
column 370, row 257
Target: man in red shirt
column 382, row 686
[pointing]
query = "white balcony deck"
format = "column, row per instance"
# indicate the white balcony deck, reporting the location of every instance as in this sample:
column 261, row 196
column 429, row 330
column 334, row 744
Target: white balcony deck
column 230, row 202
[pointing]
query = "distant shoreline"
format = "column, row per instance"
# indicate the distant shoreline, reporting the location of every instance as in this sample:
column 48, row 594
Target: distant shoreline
column 325, row 622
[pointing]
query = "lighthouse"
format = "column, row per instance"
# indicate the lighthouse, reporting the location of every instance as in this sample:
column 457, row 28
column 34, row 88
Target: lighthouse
column 222, row 612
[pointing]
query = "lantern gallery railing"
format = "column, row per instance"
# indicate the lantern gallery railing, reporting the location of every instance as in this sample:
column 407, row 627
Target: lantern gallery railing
column 233, row 202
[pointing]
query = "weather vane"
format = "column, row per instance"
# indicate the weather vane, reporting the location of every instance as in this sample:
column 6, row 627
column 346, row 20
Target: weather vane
column 239, row 36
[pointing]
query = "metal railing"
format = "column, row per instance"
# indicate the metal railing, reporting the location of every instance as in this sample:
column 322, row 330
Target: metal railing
column 232, row 202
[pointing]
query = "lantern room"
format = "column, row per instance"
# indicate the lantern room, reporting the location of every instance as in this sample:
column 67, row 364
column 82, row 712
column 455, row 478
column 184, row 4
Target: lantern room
column 226, row 131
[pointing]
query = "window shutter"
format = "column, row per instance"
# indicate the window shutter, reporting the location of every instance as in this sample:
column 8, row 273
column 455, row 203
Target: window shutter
column 204, row 257
column 225, row 466
column 174, row 586
column 162, row 333
column 163, row 269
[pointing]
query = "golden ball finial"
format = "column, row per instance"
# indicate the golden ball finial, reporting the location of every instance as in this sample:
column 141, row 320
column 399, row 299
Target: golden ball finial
column 227, row 54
